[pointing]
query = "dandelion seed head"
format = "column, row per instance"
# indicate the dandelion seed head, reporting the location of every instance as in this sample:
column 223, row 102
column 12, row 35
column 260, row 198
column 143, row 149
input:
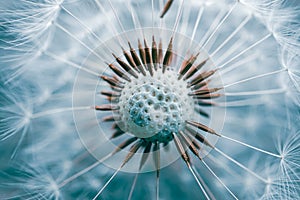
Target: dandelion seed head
column 151, row 100
column 145, row 91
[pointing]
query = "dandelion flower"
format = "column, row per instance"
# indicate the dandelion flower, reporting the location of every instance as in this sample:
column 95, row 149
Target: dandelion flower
column 169, row 99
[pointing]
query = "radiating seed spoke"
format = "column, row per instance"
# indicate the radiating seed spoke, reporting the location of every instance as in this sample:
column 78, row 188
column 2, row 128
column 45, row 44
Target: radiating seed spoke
column 156, row 151
column 202, row 127
column 133, row 149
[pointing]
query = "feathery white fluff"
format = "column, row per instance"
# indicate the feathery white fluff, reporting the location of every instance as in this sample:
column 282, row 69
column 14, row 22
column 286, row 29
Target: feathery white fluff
column 52, row 53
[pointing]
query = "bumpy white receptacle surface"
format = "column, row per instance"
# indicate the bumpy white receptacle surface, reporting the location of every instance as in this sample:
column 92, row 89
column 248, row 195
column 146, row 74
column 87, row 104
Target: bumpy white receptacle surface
column 155, row 105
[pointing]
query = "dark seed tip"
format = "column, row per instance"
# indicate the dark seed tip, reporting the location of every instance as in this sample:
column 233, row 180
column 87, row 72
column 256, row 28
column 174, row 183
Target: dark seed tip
column 145, row 43
column 129, row 45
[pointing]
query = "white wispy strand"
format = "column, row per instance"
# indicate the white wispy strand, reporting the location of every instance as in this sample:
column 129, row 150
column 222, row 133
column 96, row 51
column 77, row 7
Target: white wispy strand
column 282, row 19
column 291, row 61
column 28, row 28
column 30, row 181
column 15, row 115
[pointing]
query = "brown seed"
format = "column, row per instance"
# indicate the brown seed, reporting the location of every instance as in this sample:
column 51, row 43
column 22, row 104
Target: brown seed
column 181, row 149
column 142, row 52
column 125, row 66
column 190, row 144
column 194, row 69
column 148, row 58
column 107, row 107
column 202, row 112
column 156, row 153
column 124, row 144
column 204, row 91
column 136, row 59
column 166, row 8
column 205, row 103
column 201, row 77
column 145, row 154
column 133, row 149
column 154, row 53
column 112, row 81
column 202, row 127
column 160, row 52
column 110, row 118
column 130, row 60
column 119, row 72
column 110, row 93
column 198, row 136
column 186, row 65
column 207, row 96
column 168, row 55
column 117, row 133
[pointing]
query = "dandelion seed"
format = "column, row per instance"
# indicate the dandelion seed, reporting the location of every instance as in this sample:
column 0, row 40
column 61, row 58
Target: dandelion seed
column 166, row 8
column 25, row 26
column 29, row 182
